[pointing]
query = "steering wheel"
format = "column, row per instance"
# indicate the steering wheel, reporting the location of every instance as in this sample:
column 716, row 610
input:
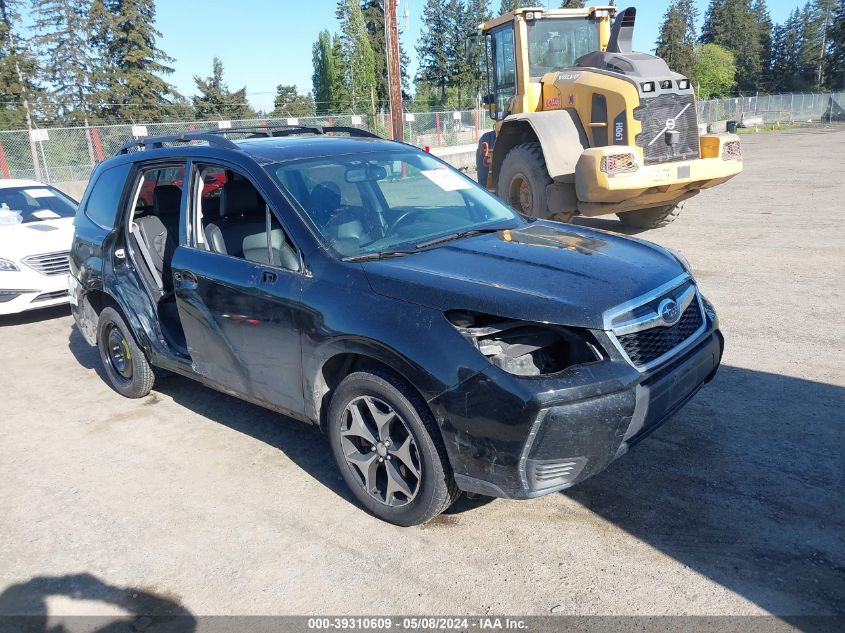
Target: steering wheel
column 402, row 218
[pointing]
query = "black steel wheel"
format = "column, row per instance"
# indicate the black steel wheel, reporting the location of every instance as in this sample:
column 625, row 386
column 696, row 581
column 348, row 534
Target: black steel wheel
column 388, row 448
column 128, row 370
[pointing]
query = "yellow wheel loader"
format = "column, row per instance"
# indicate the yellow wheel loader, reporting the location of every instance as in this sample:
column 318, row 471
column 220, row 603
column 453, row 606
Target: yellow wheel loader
column 586, row 126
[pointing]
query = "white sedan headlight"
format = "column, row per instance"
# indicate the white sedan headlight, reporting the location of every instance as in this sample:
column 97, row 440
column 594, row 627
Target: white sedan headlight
column 7, row 266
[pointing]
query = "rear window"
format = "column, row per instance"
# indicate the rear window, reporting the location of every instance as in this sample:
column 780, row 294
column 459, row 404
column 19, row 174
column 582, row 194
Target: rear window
column 103, row 201
column 37, row 203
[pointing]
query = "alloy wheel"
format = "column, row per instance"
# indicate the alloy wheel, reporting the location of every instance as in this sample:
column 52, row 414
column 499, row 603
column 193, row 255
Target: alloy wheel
column 379, row 449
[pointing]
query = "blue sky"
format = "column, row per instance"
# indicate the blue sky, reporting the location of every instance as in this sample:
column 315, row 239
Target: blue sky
column 267, row 42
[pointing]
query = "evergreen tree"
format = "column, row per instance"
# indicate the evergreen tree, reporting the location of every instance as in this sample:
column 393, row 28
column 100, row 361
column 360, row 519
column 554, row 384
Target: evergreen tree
column 340, row 91
column 373, row 11
column 835, row 63
column 18, row 88
column 764, row 29
column 289, row 103
column 216, row 101
column 435, row 67
column 572, row 4
column 359, row 61
column 477, row 12
column 816, row 24
column 786, row 51
column 62, row 36
column 510, row 5
column 676, row 40
column 324, row 79
column 130, row 64
column 733, row 25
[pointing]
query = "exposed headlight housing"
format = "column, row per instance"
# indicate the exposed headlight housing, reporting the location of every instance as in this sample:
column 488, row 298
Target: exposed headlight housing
column 7, row 266
column 647, row 86
column 683, row 84
column 524, row 348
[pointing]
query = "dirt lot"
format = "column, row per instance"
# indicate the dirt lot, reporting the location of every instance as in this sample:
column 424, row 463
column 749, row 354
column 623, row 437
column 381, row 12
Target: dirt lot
column 197, row 501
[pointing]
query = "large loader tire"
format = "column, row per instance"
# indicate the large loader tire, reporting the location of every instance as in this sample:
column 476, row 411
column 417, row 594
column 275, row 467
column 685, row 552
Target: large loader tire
column 653, row 218
column 523, row 179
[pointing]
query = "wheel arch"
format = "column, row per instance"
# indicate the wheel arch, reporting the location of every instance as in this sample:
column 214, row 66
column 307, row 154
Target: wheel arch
column 559, row 133
column 93, row 303
column 343, row 357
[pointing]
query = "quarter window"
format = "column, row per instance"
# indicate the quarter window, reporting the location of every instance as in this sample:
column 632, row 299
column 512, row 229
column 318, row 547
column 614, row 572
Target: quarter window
column 104, row 200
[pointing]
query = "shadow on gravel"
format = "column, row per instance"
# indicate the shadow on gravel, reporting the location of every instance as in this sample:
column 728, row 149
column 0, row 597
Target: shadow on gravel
column 745, row 486
column 303, row 443
column 34, row 316
column 24, row 607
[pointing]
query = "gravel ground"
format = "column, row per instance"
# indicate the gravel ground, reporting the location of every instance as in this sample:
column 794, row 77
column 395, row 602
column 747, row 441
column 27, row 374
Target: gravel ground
column 193, row 500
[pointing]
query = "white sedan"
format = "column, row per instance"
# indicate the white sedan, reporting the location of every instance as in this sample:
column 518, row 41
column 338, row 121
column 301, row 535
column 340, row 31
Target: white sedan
column 36, row 230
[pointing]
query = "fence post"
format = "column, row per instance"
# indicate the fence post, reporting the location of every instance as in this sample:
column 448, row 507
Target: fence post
column 475, row 125
column 4, row 164
column 98, row 145
column 437, row 127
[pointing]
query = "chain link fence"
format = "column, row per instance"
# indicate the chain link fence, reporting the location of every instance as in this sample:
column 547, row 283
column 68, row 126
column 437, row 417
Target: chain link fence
column 775, row 109
column 69, row 154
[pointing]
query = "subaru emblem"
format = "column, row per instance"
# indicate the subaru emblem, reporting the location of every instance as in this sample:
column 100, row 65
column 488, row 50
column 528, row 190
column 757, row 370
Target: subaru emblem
column 668, row 311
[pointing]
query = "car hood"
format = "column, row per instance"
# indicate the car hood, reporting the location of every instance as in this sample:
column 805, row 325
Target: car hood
column 543, row 272
column 18, row 241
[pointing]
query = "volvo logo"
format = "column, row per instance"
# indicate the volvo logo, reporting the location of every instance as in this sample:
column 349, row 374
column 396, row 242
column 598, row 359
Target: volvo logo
column 668, row 311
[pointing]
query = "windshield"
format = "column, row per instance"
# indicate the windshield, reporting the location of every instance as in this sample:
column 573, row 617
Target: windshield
column 555, row 43
column 37, row 203
column 388, row 200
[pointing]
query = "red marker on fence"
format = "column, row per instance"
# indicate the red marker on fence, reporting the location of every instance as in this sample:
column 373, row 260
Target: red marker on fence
column 4, row 164
column 98, row 145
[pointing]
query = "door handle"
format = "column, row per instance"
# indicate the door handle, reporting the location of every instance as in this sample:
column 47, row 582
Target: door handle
column 185, row 278
column 268, row 277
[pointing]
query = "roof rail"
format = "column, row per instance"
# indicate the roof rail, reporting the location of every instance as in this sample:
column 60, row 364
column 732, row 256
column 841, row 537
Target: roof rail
column 157, row 142
column 258, row 131
column 217, row 138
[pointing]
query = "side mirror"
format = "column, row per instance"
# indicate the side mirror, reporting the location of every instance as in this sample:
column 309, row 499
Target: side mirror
column 488, row 99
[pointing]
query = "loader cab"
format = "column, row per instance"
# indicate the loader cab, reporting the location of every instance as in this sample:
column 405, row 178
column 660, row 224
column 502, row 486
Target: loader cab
column 526, row 44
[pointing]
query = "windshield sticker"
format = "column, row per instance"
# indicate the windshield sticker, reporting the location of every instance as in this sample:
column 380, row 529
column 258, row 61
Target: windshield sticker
column 45, row 214
column 446, row 179
column 39, row 193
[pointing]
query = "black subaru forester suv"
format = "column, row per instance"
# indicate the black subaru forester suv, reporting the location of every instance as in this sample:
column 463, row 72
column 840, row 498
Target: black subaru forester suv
column 441, row 340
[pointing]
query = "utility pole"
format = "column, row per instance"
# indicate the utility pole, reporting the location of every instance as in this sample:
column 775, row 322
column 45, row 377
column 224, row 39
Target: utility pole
column 394, row 75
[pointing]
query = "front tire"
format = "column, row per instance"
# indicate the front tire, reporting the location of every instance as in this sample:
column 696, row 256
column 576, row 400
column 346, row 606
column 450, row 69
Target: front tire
column 654, row 218
column 389, row 450
column 128, row 370
column 523, row 179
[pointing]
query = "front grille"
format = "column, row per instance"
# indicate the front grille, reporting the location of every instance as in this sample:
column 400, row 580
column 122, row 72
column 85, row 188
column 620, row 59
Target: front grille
column 647, row 345
column 50, row 264
column 47, row 296
column 662, row 114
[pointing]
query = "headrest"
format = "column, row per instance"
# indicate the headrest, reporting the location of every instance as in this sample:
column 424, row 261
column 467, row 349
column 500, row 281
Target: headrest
column 238, row 198
column 167, row 199
column 325, row 196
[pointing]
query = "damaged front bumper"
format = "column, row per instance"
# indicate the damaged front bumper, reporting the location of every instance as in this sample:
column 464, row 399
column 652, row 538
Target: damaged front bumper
column 521, row 438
